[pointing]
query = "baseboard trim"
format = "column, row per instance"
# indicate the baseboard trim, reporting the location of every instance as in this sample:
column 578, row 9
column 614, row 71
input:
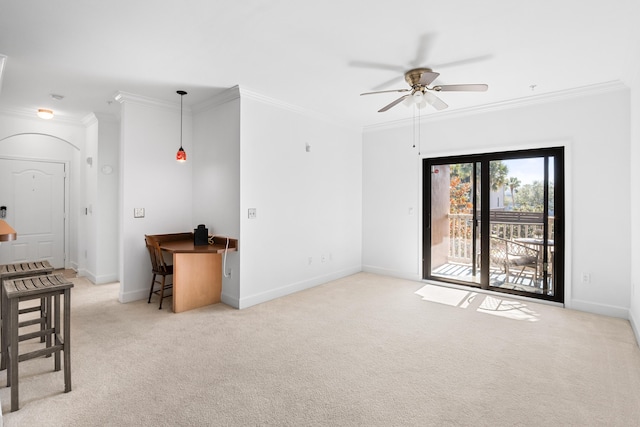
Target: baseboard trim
column 106, row 278
column 134, row 295
column 391, row 273
column 230, row 301
column 606, row 310
column 85, row 273
column 97, row 280
column 635, row 327
column 292, row 288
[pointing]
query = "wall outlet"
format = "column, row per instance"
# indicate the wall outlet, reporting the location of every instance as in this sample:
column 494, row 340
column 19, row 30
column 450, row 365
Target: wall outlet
column 586, row 278
column 253, row 213
column 138, row 212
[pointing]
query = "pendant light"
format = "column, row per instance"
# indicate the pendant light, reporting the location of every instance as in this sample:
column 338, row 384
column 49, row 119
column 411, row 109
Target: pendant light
column 181, row 155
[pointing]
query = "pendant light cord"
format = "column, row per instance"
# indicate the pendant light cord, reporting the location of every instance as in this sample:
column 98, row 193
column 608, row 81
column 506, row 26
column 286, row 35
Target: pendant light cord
column 181, row 97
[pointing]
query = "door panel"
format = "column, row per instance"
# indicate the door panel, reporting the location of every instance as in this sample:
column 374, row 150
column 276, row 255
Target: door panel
column 33, row 193
column 518, row 224
column 453, row 225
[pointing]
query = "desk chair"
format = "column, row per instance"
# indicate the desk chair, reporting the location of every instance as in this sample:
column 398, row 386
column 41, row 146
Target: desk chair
column 159, row 268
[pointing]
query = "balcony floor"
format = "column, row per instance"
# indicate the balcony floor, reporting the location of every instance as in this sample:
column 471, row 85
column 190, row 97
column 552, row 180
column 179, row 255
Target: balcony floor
column 497, row 278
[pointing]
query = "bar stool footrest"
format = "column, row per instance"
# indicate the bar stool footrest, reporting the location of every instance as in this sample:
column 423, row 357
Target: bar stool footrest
column 39, row 353
column 29, row 309
column 37, row 334
column 39, row 320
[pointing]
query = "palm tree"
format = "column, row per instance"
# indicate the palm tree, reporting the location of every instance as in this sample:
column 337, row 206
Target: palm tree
column 497, row 174
column 513, row 183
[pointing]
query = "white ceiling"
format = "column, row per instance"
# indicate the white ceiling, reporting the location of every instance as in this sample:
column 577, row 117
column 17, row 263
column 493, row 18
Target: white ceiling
column 316, row 55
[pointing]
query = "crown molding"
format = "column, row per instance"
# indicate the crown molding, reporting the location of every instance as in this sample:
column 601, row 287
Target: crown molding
column 237, row 92
column 563, row 95
column 250, row 94
column 3, row 59
column 225, row 96
column 29, row 114
column 93, row 118
column 89, row 119
column 126, row 97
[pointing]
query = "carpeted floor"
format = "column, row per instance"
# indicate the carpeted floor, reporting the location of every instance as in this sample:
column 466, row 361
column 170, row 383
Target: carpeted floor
column 365, row 350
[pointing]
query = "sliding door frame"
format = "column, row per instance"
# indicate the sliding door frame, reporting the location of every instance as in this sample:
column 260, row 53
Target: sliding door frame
column 485, row 226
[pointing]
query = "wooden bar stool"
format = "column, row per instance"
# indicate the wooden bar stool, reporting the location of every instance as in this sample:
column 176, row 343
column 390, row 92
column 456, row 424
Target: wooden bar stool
column 50, row 287
column 14, row 271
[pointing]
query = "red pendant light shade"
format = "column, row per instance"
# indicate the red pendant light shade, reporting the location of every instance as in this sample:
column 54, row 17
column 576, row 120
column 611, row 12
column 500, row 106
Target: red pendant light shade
column 181, row 155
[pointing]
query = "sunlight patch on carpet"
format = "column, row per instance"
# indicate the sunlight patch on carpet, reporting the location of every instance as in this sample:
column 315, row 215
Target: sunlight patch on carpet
column 448, row 296
column 511, row 309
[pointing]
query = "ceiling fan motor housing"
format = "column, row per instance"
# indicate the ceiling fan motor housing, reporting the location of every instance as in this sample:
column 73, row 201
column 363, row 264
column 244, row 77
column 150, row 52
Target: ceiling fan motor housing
column 413, row 76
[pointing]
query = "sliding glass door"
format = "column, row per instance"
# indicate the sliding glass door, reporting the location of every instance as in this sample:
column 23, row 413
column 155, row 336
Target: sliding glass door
column 494, row 221
column 454, row 231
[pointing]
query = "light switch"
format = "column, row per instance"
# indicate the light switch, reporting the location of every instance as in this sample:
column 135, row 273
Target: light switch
column 138, row 212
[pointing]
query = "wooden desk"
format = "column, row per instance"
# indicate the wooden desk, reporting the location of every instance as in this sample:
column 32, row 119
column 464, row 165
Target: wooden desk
column 197, row 271
column 7, row 233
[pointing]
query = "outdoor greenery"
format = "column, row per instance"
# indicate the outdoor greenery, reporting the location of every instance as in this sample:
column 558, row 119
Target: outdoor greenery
column 522, row 198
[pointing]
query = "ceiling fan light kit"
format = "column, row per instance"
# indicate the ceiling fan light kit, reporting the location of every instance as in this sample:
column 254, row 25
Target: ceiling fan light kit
column 421, row 94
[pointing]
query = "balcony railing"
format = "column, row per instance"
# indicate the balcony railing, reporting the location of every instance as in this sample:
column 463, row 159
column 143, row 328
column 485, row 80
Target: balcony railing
column 508, row 225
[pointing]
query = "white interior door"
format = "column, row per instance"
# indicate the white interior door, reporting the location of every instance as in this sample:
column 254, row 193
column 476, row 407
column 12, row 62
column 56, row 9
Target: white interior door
column 33, row 193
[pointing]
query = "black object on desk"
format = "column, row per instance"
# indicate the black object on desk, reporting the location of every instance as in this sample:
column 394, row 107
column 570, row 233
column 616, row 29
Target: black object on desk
column 201, row 235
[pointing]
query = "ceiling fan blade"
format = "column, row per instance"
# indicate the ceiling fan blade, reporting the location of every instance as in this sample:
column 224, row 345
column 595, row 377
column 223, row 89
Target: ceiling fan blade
column 461, row 88
column 367, row 64
column 393, row 104
column 385, row 91
column 424, row 48
column 462, row 61
column 390, row 82
column 427, row 77
column 434, row 101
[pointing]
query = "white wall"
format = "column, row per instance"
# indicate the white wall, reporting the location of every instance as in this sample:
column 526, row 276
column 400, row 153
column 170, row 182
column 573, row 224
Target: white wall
column 216, row 178
column 150, row 178
column 107, row 207
column 26, row 137
column 592, row 124
column 88, row 225
column 248, row 151
column 391, row 202
column 309, row 204
column 634, row 160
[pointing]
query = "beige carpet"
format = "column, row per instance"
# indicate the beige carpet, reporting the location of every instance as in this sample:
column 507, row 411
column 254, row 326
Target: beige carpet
column 361, row 351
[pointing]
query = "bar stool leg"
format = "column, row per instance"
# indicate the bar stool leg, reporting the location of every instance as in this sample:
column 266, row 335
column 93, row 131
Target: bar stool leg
column 12, row 373
column 67, row 340
column 4, row 342
column 43, row 309
column 47, row 304
column 56, row 329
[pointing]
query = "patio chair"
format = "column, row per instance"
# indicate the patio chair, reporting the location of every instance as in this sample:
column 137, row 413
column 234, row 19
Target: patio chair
column 507, row 255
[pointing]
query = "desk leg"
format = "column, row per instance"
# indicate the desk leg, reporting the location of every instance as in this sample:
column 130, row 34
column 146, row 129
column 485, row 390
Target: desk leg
column 197, row 280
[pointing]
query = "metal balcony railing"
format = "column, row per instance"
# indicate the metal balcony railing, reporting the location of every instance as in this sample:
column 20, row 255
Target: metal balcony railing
column 507, row 225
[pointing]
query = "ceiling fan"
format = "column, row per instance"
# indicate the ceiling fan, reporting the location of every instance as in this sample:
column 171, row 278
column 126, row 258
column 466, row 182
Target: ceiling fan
column 419, row 79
